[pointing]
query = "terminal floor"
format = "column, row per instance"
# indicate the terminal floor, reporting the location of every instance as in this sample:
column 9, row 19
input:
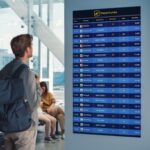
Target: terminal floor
column 50, row 146
column 43, row 145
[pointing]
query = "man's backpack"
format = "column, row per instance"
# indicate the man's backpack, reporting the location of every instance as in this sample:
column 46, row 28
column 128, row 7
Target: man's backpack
column 14, row 108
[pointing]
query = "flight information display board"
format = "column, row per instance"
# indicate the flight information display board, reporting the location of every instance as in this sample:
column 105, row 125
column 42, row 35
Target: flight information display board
column 107, row 71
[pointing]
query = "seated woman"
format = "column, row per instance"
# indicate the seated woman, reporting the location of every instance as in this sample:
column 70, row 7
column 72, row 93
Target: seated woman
column 50, row 121
column 50, row 124
column 49, row 106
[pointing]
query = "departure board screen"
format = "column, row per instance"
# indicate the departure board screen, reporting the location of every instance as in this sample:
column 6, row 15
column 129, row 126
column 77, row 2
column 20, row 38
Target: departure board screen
column 107, row 71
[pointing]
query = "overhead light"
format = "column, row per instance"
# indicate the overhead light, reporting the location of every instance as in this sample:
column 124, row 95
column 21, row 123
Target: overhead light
column 13, row 0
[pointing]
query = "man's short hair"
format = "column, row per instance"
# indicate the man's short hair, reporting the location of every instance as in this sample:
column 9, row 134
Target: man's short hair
column 20, row 43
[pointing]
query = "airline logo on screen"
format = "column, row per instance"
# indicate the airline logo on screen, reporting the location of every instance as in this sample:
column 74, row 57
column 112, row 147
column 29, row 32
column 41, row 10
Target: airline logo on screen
column 98, row 13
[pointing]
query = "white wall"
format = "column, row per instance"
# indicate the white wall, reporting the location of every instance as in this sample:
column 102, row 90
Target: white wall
column 99, row 142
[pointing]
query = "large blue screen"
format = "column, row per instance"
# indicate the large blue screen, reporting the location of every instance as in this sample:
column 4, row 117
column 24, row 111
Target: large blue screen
column 107, row 71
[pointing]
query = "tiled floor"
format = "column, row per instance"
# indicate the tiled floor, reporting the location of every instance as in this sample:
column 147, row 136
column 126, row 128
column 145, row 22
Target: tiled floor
column 59, row 145
column 43, row 145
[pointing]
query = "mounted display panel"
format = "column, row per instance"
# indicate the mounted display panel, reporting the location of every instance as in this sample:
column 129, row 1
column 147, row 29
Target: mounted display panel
column 107, row 71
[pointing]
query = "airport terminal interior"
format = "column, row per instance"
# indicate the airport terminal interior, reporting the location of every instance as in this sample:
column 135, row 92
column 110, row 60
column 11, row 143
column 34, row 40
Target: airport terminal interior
column 94, row 57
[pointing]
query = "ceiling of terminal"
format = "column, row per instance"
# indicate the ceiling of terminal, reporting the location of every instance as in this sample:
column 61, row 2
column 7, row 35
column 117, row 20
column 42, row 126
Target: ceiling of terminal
column 3, row 4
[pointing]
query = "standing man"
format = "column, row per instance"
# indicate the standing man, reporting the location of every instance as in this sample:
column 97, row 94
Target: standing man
column 21, row 46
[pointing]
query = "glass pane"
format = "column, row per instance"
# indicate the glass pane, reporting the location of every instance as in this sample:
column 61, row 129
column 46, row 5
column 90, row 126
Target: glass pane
column 34, row 61
column 11, row 25
column 57, row 26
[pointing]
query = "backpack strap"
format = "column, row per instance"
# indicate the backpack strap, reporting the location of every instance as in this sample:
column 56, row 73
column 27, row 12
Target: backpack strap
column 18, row 71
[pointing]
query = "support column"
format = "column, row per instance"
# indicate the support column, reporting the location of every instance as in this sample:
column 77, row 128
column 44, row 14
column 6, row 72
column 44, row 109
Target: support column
column 39, row 42
column 49, row 54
